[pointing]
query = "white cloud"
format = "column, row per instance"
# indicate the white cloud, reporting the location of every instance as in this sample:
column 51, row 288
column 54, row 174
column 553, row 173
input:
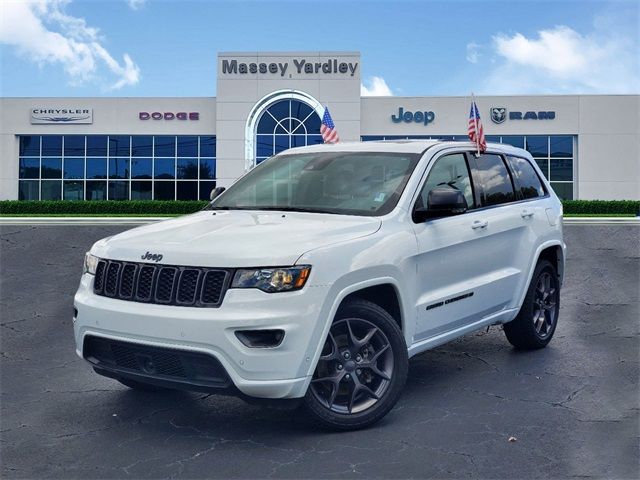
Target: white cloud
column 136, row 4
column 376, row 87
column 561, row 51
column 473, row 52
column 562, row 60
column 42, row 32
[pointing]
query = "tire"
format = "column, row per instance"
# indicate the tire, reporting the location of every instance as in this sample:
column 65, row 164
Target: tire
column 362, row 368
column 537, row 319
column 144, row 387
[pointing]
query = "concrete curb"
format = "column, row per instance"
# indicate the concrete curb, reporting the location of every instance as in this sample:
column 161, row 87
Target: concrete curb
column 145, row 220
column 601, row 221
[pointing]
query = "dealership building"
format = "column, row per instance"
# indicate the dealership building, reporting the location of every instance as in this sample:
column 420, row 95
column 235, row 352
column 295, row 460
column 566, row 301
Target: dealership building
column 168, row 148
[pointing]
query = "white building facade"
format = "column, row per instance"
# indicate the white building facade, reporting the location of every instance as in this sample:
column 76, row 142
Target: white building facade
column 182, row 147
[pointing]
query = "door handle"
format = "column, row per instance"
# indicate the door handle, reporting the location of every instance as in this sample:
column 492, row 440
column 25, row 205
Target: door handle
column 527, row 213
column 479, row 224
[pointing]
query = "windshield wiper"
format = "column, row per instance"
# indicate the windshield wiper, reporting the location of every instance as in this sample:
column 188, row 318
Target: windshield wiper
column 225, row 207
column 294, row 209
column 277, row 209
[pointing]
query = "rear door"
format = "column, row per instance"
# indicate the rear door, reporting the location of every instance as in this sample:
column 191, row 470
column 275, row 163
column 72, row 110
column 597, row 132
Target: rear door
column 505, row 228
column 465, row 263
column 532, row 194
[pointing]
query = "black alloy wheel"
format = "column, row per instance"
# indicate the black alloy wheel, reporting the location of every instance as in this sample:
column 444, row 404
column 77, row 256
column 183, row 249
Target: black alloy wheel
column 355, row 367
column 545, row 300
column 537, row 319
column 361, row 370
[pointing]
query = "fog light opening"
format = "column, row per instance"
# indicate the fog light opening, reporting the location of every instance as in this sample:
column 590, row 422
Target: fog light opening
column 260, row 338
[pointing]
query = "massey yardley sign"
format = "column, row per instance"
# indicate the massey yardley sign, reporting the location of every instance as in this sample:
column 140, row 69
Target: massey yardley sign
column 41, row 116
column 297, row 65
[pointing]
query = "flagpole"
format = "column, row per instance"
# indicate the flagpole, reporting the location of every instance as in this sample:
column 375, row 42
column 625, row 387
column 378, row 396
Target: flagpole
column 475, row 121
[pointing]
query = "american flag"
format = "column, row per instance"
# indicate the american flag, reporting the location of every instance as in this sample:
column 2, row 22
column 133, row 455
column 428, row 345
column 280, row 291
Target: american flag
column 476, row 132
column 328, row 128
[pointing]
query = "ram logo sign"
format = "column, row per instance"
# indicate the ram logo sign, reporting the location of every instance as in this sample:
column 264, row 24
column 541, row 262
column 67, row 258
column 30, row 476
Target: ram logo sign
column 499, row 115
column 41, row 116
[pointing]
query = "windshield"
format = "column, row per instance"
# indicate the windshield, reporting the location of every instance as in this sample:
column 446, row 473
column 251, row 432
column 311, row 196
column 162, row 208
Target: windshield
column 347, row 183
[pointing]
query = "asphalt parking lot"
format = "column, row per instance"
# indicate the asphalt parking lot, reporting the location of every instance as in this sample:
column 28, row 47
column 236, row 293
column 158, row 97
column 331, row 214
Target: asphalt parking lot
column 572, row 408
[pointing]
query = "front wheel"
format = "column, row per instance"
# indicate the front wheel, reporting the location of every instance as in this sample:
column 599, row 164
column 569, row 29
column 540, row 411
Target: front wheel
column 362, row 368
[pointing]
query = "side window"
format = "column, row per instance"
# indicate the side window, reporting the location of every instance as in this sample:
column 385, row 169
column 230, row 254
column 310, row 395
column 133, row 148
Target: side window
column 452, row 171
column 528, row 182
column 495, row 180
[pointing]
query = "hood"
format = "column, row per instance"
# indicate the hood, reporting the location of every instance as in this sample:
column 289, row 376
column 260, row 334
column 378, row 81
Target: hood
column 234, row 238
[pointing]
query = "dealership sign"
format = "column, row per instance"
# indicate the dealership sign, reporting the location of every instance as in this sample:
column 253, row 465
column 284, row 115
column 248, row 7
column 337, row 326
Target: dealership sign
column 169, row 115
column 61, row 115
column 407, row 116
column 499, row 115
column 298, row 65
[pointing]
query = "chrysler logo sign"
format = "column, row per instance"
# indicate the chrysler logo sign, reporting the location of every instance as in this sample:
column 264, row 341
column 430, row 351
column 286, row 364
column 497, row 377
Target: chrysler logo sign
column 61, row 115
column 499, row 115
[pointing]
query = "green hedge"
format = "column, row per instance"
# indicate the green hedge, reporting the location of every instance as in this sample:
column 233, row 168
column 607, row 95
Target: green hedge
column 148, row 207
column 156, row 207
column 601, row 207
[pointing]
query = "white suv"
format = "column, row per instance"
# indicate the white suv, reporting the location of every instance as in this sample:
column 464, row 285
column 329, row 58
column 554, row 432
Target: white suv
column 320, row 272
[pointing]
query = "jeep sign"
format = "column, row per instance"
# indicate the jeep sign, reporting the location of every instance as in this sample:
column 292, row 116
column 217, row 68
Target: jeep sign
column 417, row 117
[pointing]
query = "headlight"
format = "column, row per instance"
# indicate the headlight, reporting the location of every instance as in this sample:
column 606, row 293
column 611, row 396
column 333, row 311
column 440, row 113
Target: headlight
column 90, row 263
column 271, row 280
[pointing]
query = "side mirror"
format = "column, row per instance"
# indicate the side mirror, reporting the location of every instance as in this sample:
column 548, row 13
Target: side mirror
column 215, row 192
column 441, row 202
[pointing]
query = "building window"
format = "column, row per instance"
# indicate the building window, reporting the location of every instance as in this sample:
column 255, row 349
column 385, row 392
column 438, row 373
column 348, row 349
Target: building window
column 286, row 124
column 116, row 167
column 554, row 154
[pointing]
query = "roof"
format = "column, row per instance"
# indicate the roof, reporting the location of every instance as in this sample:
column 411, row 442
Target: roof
column 397, row 146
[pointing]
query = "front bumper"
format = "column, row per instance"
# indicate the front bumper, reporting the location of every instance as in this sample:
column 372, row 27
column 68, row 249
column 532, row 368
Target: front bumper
column 180, row 369
column 278, row 372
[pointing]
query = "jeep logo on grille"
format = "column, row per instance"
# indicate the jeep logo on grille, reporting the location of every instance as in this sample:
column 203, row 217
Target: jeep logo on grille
column 156, row 257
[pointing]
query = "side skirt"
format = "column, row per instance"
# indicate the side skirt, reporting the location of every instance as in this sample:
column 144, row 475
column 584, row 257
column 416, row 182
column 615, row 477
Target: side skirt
column 503, row 316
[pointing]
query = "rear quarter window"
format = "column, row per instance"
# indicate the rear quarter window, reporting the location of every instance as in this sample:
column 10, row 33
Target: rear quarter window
column 528, row 184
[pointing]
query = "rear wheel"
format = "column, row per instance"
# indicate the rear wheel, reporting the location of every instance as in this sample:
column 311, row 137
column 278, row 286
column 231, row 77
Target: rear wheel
column 362, row 368
column 537, row 319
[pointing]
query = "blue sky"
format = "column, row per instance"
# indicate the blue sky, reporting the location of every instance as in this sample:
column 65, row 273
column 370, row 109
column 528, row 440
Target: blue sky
column 169, row 47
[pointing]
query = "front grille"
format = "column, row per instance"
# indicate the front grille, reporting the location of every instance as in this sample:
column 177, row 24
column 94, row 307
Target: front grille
column 161, row 284
column 126, row 281
column 187, row 286
column 155, row 362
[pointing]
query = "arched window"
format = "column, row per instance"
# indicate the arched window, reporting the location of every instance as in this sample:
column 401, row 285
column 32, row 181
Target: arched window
column 285, row 124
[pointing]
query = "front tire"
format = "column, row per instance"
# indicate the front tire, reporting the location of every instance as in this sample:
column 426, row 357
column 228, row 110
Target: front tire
column 362, row 368
column 537, row 319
